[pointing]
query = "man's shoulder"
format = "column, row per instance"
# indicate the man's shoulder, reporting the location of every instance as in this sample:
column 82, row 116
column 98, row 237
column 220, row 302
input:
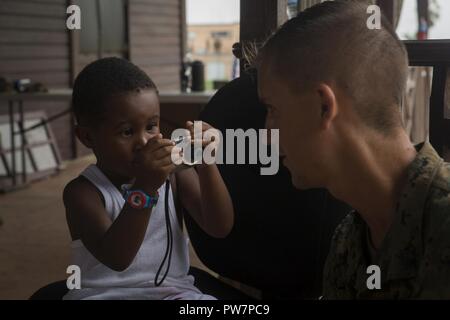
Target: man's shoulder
column 437, row 235
column 348, row 231
column 343, row 258
column 437, row 209
column 437, row 204
column 441, row 183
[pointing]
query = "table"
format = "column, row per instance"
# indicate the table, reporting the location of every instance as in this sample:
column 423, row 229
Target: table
column 17, row 100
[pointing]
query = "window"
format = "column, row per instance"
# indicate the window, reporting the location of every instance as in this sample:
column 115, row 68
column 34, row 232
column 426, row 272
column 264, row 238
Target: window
column 434, row 22
column 220, row 34
column 215, row 71
column 216, row 26
column 191, row 35
column 292, row 8
column 103, row 26
column 416, row 103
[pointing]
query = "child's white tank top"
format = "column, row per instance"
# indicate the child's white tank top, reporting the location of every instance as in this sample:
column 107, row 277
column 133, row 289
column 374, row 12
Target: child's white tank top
column 137, row 281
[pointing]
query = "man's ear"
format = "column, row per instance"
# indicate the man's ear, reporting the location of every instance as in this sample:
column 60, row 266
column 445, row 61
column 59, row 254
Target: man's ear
column 84, row 135
column 328, row 102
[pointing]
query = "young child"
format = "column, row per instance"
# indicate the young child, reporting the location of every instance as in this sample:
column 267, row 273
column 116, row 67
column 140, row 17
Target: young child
column 116, row 209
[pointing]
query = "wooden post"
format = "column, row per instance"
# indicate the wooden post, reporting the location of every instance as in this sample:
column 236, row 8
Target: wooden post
column 183, row 29
column 259, row 19
column 391, row 9
column 446, row 151
column 100, row 30
column 437, row 55
column 439, row 107
column 423, row 17
column 74, row 49
column 388, row 8
column 183, row 37
column 423, row 12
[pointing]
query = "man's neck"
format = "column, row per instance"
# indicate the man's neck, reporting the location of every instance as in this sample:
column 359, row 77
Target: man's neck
column 370, row 178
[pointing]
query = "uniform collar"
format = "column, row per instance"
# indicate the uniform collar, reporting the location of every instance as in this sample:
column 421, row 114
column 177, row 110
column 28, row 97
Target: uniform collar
column 403, row 246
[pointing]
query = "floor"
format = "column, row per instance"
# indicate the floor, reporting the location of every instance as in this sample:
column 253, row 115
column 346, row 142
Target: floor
column 34, row 239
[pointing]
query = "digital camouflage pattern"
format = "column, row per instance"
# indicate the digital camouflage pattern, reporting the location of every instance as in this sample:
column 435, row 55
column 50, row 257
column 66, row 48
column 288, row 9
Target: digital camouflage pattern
column 415, row 255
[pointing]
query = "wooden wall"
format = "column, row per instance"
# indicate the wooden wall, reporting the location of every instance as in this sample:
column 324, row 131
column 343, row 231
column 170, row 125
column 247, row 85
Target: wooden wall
column 155, row 39
column 34, row 41
column 34, row 44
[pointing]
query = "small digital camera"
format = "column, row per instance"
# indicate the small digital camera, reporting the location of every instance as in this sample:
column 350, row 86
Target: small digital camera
column 189, row 157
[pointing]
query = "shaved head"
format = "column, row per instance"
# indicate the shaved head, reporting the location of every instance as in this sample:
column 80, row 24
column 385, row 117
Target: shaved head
column 331, row 43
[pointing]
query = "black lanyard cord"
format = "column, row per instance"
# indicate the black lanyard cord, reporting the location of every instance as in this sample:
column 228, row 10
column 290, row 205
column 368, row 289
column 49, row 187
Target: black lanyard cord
column 168, row 253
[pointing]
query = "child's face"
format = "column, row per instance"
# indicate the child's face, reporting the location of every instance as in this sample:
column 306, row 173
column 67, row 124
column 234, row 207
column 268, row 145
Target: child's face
column 131, row 120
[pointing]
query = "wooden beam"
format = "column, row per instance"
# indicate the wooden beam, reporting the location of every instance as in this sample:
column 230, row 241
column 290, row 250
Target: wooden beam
column 259, row 18
column 126, row 10
column 428, row 52
column 439, row 108
column 447, row 99
column 391, row 9
column 388, row 9
column 74, row 49
column 446, row 151
column 423, row 11
column 183, row 29
column 436, row 53
column 183, row 38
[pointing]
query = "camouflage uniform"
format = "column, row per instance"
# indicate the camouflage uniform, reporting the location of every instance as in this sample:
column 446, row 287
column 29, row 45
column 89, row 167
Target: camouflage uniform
column 415, row 255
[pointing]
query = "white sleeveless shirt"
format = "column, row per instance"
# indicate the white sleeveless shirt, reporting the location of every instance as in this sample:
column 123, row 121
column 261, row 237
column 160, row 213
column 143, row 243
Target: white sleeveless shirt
column 137, row 281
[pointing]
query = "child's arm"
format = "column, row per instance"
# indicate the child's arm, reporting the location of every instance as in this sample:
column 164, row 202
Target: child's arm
column 205, row 196
column 115, row 244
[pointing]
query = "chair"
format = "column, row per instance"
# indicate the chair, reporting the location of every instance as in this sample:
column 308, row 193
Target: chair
column 203, row 280
column 52, row 291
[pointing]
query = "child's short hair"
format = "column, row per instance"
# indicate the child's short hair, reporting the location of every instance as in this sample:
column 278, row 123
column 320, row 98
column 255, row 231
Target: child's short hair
column 332, row 42
column 99, row 81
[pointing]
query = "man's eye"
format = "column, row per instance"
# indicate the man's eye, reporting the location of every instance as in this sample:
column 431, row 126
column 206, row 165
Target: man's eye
column 127, row 133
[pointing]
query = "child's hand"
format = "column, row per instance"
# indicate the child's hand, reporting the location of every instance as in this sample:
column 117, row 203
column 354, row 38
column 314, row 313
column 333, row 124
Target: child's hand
column 208, row 133
column 210, row 136
column 153, row 164
column 204, row 127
